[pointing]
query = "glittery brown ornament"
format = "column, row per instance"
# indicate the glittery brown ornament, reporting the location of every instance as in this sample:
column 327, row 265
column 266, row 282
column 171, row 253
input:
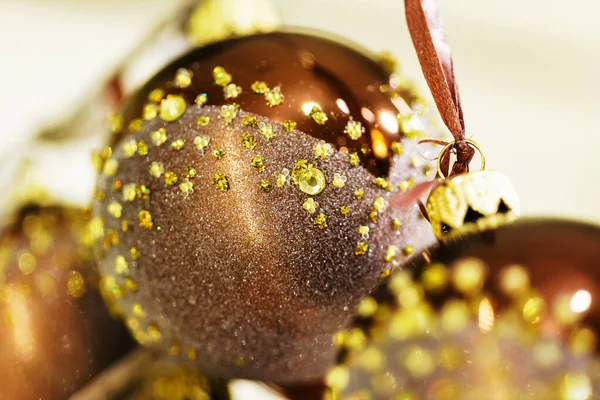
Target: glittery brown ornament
column 55, row 331
column 511, row 312
column 255, row 196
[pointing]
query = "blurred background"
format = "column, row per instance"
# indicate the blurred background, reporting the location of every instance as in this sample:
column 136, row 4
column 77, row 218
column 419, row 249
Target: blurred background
column 528, row 73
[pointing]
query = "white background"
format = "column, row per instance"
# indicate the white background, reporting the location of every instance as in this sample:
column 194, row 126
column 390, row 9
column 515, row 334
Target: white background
column 528, row 70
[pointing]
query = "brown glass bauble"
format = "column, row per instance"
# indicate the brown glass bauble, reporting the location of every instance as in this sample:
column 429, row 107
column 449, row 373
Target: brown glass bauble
column 250, row 198
column 508, row 313
column 55, row 330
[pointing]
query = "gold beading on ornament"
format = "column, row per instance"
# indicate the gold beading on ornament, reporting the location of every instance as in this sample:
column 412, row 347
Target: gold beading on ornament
column 471, row 202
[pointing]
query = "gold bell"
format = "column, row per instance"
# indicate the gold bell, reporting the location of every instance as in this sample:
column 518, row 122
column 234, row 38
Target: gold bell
column 471, row 202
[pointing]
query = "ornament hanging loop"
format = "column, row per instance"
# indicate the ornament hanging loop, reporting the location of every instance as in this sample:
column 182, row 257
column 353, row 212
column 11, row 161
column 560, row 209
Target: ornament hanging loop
column 447, row 148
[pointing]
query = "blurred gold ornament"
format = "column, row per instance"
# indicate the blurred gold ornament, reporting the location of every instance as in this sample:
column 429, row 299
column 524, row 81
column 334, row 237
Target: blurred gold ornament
column 214, row 20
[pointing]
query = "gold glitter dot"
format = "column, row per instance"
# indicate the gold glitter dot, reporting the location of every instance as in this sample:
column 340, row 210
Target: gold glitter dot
column 339, row 180
column 186, row 187
column 258, row 163
column 96, row 228
column 229, row 112
column 190, row 171
column 172, row 107
column 310, row 205
column 138, row 310
column 372, row 359
column 260, row 87
column 99, row 195
column 354, row 129
column 266, row 130
column 124, row 225
column 373, row 214
column 159, row 136
column 455, row 316
column 136, row 125
column 358, row 193
column 364, row 230
column 396, row 223
column 203, row 120
column 232, row 91
column 129, row 192
column 201, row 142
column 201, row 99
column 308, row 179
column 75, row 284
column 390, row 253
column 367, row 307
column 110, row 167
column 27, row 263
column 533, row 310
column 145, row 219
column 154, row 332
column 111, row 239
column 317, row 114
column 354, row 159
column 221, row 77
column 344, row 210
column 116, row 123
column 134, row 253
column 114, row 209
column 248, row 140
column 116, row 186
column 338, row 378
column 150, row 111
column 265, row 185
column 157, row 169
column 250, row 121
column 419, row 362
column 361, row 248
column 171, row 178
column 323, row 149
column 468, row 275
column 321, row 221
column 129, row 148
column 274, row 97
column 283, row 178
column 142, row 148
column 407, row 251
column 192, row 354
column 143, row 192
column 382, row 183
column 514, row 280
column 380, row 204
column 121, row 265
column 177, row 144
column 218, row 153
column 156, row 95
column 407, row 184
column 183, row 78
column 435, row 278
column 396, row 148
column 289, row 125
column 221, row 182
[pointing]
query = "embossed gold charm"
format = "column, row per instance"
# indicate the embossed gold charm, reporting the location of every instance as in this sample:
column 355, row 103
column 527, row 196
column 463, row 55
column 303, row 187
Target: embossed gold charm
column 471, row 202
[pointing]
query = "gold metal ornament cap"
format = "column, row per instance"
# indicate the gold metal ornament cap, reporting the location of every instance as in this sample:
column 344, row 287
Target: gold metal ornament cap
column 471, row 202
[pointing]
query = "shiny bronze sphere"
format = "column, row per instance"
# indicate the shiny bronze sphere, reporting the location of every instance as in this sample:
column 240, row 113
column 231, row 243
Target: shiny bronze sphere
column 247, row 198
column 55, row 331
column 508, row 313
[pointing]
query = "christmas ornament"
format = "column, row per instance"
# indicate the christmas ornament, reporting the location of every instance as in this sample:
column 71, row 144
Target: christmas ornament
column 505, row 313
column 55, row 331
column 248, row 184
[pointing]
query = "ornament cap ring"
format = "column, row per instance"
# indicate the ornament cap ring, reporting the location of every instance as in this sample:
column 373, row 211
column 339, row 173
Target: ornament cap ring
column 449, row 147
